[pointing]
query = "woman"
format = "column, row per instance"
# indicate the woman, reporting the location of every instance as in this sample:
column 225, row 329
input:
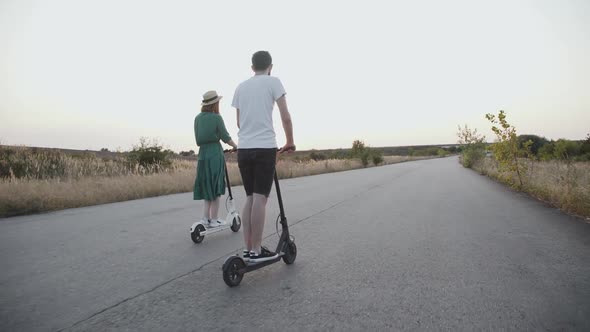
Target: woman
column 209, row 184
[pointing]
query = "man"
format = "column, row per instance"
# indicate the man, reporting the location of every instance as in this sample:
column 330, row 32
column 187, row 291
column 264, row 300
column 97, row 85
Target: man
column 254, row 101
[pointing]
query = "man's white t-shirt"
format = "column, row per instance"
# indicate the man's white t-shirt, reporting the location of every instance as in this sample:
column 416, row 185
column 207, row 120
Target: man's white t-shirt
column 255, row 99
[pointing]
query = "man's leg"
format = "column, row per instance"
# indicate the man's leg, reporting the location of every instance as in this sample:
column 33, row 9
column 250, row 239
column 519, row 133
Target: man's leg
column 264, row 174
column 246, row 165
column 246, row 222
column 257, row 221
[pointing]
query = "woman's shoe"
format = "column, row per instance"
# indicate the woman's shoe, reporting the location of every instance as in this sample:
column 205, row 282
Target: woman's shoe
column 205, row 222
column 216, row 223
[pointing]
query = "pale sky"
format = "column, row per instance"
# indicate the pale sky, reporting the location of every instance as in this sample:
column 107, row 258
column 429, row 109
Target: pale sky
column 92, row 74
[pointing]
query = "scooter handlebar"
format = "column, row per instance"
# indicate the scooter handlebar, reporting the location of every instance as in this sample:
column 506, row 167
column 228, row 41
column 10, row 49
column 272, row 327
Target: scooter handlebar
column 288, row 149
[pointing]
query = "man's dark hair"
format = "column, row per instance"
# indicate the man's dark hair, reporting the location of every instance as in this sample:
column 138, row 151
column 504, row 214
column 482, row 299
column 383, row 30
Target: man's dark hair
column 261, row 60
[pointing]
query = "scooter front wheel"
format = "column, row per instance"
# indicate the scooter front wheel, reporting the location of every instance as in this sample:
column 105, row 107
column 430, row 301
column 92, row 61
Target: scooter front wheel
column 196, row 234
column 231, row 271
column 290, row 253
column 236, row 223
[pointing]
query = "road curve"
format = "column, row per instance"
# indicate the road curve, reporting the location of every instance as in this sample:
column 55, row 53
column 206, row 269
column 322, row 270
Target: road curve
column 425, row 245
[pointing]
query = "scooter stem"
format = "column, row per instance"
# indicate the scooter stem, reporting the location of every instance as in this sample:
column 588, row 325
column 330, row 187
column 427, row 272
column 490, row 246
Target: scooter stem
column 227, row 180
column 280, row 199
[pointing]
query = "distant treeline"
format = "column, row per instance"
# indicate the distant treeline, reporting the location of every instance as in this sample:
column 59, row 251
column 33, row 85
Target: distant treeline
column 561, row 149
column 416, row 151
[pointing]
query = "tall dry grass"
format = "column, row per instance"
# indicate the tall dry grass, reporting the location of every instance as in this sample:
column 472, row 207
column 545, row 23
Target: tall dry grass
column 43, row 164
column 565, row 185
column 32, row 195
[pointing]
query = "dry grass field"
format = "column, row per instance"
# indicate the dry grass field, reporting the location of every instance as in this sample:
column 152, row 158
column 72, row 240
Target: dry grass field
column 565, row 185
column 52, row 180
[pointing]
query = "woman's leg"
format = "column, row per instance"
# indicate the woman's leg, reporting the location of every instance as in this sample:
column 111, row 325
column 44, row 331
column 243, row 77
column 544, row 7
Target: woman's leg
column 214, row 209
column 206, row 208
column 246, row 217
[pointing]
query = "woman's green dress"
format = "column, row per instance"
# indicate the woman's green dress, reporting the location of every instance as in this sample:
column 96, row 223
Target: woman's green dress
column 209, row 129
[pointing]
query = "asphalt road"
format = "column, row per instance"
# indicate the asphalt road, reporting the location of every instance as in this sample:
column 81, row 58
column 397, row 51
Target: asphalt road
column 425, row 245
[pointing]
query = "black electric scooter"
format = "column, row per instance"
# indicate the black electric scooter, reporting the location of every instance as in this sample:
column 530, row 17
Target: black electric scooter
column 233, row 220
column 235, row 267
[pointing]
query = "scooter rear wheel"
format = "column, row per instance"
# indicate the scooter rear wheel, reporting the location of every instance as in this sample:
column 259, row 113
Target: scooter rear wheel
column 231, row 273
column 236, row 223
column 196, row 234
column 291, row 253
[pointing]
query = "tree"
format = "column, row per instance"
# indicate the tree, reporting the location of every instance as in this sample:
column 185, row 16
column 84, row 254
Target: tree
column 546, row 152
column 472, row 146
column 507, row 149
column 585, row 148
column 537, row 142
column 358, row 147
column 566, row 149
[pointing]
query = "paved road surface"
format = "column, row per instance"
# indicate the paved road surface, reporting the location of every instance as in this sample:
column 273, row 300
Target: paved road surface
column 424, row 245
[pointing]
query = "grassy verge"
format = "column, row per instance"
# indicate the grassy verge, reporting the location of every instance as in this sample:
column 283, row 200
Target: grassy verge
column 565, row 185
column 33, row 195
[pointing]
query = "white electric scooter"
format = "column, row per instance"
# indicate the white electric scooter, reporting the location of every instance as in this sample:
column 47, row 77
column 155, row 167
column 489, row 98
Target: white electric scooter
column 232, row 221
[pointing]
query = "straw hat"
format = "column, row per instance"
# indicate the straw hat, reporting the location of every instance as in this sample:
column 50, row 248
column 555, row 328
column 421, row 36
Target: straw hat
column 210, row 98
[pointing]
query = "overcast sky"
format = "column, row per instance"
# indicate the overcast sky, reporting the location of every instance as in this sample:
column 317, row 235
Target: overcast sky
column 92, row 74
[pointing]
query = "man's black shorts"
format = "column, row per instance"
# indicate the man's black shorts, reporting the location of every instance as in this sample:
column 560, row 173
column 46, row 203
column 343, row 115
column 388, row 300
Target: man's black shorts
column 257, row 167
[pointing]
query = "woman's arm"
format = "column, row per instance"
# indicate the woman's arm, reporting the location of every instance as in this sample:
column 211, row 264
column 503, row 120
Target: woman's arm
column 224, row 135
column 196, row 134
column 233, row 144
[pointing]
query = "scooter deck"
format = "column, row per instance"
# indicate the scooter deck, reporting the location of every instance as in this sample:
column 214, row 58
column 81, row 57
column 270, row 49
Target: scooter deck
column 250, row 266
column 209, row 230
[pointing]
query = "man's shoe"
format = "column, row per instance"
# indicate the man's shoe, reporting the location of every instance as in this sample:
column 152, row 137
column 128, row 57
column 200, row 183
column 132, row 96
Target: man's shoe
column 265, row 255
column 246, row 255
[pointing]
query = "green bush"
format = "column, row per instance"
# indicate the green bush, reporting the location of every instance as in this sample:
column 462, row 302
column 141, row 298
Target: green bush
column 472, row 155
column 340, row 154
column 377, row 158
column 150, row 154
column 317, row 156
column 187, row 153
column 365, row 156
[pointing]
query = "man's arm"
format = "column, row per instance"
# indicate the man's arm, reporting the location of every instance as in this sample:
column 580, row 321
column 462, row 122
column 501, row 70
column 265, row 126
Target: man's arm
column 287, row 123
column 238, row 117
